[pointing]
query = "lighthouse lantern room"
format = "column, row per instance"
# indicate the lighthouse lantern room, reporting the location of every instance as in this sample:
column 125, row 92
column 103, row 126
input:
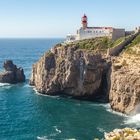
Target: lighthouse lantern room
column 84, row 21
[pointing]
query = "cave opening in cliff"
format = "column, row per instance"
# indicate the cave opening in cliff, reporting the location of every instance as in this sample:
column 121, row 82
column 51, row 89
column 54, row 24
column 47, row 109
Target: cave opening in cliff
column 102, row 94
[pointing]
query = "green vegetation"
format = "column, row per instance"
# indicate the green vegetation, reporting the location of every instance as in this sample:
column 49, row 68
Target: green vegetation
column 136, row 41
column 117, row 42
column 98, row 44
column 94, row 44
column 49, row 53
column 134, row 47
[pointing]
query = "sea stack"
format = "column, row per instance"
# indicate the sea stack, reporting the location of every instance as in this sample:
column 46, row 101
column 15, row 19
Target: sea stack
column 12, row 74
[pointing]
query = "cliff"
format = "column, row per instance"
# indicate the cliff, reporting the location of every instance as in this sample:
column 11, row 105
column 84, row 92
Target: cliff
column 70, row 70
column 125, row 78
column 85, row 70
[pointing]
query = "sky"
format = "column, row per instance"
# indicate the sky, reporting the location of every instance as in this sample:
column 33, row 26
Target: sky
column 57, row 18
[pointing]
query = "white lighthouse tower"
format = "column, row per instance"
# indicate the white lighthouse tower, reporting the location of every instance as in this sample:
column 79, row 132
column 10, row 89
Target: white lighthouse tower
column 84, row 22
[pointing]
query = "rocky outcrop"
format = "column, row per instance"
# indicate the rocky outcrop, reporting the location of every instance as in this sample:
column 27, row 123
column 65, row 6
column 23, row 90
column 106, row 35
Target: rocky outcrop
column 125, row 79
column 86, row 74
column 12, row 74
column 123, row 134
column 125, row 84
column 71, row 71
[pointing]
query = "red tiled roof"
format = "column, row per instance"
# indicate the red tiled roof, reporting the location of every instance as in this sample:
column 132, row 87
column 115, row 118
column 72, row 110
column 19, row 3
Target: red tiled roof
column 106, row 28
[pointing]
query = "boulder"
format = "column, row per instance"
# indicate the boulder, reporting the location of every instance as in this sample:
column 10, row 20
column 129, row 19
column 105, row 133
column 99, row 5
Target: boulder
column 12, row 74
column 123, row 134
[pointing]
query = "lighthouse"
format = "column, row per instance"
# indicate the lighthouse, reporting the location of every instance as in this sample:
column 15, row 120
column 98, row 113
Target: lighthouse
column 87, row 32
column 84, row 22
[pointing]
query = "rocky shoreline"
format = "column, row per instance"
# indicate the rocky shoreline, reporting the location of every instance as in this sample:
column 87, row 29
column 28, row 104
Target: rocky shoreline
column 123, row 134
column 68, row 69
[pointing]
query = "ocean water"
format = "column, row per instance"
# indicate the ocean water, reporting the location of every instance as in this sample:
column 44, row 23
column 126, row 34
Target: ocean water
column 27, row 115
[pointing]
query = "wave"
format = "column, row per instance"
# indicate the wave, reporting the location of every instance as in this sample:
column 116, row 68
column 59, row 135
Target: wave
column 4, row 84
column 37, row 93
column 57, row 130
column 71, row 139
column 101, row 130
column 108, row 108
column 43, row 138
column 133, row 120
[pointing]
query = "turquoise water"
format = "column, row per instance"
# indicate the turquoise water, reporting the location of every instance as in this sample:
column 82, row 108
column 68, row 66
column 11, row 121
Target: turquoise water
column 26, row 115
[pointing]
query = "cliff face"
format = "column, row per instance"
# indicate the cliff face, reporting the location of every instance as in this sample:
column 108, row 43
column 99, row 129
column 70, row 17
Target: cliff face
column 79, row 70
column 125, row 79
column 69, row 70
column 125, row 88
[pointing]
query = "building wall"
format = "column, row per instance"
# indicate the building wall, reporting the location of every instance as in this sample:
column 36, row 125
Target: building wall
column 71, row 38
column 92, row 33
column 116, row 50
column 129, row 33
column 117, row 33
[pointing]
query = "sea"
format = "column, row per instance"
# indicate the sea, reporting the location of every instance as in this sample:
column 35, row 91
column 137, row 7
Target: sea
column 27, row 115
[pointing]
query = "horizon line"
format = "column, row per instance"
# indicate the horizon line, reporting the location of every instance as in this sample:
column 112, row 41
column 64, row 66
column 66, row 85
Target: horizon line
column 32, row 37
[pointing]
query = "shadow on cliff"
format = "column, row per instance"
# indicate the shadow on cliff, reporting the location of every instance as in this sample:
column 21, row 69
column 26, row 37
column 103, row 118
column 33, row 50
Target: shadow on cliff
column 102, row 94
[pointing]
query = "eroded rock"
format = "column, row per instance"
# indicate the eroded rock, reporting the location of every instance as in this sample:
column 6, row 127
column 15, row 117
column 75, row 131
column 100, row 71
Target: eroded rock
column 125, row 85
column 12, row 74
column 71, row 71
column 123, row 134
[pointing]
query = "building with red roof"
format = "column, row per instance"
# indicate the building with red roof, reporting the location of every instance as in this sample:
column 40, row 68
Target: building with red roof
column 86, row 32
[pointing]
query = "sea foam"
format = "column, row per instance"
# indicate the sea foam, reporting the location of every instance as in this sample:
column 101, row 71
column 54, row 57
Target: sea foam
column 108, row 109
column 43, row 138
column 133, row 120
column 4, row 84
column 37, row 93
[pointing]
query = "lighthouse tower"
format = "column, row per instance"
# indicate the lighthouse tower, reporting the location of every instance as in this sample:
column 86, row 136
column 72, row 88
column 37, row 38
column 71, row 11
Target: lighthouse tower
column 84, row 22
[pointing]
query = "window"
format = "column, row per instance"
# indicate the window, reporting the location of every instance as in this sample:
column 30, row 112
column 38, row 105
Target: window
column 89, row 31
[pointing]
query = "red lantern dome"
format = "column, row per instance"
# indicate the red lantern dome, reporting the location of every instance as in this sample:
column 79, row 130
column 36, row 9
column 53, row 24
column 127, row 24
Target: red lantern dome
column 84, row 16
column 84, row 21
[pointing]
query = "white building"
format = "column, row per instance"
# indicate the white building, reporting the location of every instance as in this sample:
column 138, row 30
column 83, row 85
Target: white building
column 86, row 32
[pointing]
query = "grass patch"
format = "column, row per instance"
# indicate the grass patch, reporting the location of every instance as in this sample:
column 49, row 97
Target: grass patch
column 93, row 44
column 118, row 42
column 99, row 43
column 133, row 47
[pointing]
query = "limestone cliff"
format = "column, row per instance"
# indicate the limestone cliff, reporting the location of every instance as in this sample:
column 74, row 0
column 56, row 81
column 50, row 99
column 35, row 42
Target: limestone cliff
column 125, row 79
column 125, row 88
column 83, row 70
column 71, row 71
